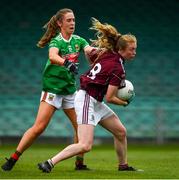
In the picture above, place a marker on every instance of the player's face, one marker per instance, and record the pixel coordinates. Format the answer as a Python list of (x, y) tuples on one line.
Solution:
[(130, 51), (67, 25)]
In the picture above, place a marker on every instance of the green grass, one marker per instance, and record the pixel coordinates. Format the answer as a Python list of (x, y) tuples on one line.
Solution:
[(158, 162)]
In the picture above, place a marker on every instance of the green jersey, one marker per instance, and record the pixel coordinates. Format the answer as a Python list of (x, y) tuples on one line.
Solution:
[(58, 79)]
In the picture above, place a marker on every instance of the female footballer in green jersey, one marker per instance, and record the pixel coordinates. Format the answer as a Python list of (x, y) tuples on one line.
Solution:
[(59, 84)]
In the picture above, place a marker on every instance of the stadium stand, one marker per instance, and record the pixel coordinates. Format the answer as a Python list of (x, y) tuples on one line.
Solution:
[(154, 73)]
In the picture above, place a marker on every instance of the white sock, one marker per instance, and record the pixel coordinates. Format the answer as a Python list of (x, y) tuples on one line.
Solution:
[(50, 162)]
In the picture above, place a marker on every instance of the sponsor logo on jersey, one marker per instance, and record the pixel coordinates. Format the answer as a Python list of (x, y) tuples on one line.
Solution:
[(72, 57)]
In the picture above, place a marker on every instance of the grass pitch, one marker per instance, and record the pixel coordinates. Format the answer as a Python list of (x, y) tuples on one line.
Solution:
[(158, 162)]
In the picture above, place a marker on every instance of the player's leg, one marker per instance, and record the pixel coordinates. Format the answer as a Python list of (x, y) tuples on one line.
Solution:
[(79, 163), (68, 106), (85, 134), (114, 125), (44, 115)]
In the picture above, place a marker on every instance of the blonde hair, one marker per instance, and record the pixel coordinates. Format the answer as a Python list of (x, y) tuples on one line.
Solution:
[(52, 27), (107, 35), (109, 38)]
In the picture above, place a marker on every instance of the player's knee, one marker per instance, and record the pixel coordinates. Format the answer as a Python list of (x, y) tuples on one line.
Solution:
[(121, 133), (86, 147), (37, 130)]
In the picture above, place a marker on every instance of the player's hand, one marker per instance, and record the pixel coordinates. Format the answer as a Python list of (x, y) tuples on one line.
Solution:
[(72, 67)]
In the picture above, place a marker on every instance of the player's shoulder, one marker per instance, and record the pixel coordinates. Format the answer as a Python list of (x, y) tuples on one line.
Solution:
[(113, 60), (58, 37), (76, 36), (110, 56)]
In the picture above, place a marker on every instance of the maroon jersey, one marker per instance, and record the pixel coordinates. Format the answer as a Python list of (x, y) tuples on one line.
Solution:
[(107, 70)]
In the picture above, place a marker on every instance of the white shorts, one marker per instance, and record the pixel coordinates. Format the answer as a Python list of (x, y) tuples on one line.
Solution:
[(89, 110), (58, 101)]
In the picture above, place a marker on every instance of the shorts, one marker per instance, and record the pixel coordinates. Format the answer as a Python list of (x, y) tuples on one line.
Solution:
[(89, 110), (58, 101)]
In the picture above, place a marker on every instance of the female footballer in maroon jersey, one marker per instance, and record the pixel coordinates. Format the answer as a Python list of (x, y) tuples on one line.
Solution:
[(104, 78)]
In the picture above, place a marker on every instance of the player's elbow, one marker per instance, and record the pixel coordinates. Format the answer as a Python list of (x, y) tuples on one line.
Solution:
[(51, 58), (109, 99)]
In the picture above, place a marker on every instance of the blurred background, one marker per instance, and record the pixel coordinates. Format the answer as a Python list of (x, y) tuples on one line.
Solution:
[(154, 113)]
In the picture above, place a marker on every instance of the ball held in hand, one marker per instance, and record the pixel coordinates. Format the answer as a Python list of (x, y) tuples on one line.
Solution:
[(127, 92)]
